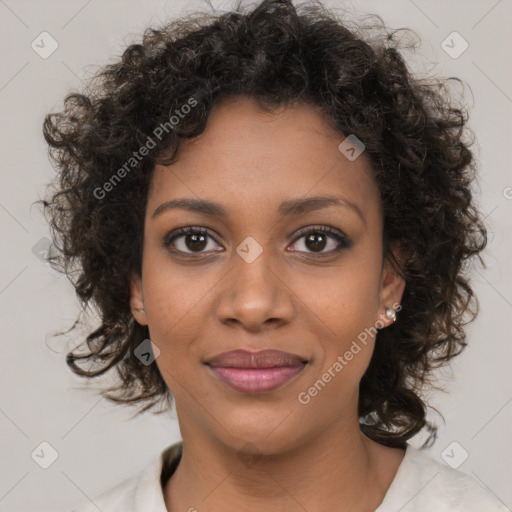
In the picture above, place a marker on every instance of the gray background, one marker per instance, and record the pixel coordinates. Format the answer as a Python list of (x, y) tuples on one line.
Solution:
[(98, 444)]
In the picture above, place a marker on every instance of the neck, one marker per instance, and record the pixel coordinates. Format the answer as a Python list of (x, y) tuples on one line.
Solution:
[(339, 470)]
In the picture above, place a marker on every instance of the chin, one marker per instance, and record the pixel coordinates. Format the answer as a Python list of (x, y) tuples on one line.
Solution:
[(271, 435)]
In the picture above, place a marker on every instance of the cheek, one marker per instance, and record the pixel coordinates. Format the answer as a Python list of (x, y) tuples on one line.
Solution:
[(346, 308), (347, 298), (175, 321), (342, 356), (177, 300)]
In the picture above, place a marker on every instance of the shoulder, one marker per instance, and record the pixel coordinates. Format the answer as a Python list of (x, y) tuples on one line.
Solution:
[(139, 493), (117, 498), (423, 484)]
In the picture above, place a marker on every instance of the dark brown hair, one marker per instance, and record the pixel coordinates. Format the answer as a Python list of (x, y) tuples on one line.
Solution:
[(414, 135)]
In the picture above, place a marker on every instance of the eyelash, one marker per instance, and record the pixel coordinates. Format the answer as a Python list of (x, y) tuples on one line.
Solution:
[(343, 241)]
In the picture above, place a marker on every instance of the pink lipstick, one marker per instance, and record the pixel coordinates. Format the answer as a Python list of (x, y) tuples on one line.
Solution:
[(256, 372)]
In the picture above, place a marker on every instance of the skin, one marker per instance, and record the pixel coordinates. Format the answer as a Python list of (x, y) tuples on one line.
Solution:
[(249, 452)]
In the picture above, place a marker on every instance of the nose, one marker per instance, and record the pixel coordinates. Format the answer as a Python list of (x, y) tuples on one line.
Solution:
[(254, 295)]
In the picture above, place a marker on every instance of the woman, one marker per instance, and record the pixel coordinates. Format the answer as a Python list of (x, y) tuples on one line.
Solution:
[(273, 217)]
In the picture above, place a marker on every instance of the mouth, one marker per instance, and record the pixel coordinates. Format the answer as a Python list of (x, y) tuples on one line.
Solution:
[(256, 372)]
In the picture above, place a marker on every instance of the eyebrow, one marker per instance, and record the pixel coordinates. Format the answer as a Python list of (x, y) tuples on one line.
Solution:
[(285, 209)]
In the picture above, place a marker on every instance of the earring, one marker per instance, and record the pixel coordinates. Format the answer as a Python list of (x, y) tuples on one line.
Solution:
[(141, 309), (390, 313)]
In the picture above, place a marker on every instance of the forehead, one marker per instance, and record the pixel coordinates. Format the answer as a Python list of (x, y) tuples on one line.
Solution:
[(248, 158)]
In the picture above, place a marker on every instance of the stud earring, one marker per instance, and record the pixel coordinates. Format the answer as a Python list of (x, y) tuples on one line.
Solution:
[(390, 313)]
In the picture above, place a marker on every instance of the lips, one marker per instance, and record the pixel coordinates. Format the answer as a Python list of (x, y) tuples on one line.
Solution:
[(256, 372), (261, 359)]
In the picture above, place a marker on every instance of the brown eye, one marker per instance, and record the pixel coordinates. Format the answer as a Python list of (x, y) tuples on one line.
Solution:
[(196, 242), (189, 240), (317, 239)]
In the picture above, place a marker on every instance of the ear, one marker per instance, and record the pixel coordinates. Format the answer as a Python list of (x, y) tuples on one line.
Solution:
[(392, 287), (137, 300)]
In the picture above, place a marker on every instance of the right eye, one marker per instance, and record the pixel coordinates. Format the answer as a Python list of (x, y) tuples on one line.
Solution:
[(189, 240)]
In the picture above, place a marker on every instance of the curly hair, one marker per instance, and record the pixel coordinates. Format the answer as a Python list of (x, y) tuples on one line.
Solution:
[(414, 134)]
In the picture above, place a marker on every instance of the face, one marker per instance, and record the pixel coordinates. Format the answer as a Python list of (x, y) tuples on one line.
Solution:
[(266, 268)]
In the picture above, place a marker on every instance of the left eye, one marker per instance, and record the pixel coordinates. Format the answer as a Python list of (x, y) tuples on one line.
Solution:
[(192, 240), (316, 239)]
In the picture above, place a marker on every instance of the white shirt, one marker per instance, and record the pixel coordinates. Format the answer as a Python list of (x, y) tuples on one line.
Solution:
[(421, 485)]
